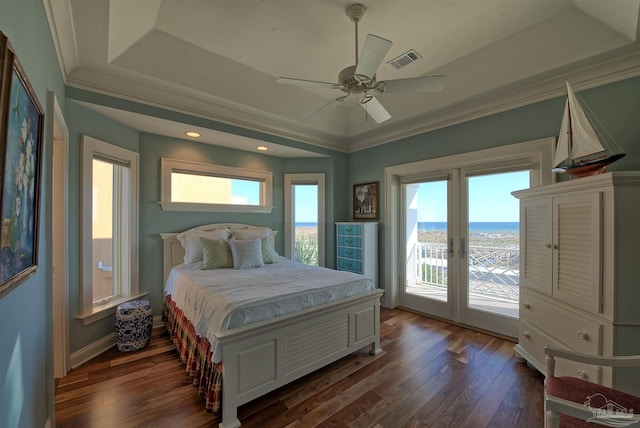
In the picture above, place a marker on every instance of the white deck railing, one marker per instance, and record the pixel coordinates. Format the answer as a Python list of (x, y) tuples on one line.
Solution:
[(493, 272)]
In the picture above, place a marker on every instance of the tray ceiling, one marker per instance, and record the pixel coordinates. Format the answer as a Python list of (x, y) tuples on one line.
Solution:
[(220, 59)]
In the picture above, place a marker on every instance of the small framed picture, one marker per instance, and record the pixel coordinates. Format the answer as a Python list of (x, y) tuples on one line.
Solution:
[(365, 201)]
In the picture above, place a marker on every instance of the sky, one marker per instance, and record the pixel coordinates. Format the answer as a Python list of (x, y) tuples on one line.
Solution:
[(490, 199)]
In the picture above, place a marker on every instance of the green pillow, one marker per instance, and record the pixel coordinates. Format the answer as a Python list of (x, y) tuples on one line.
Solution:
[(269, 254), (216, 254)]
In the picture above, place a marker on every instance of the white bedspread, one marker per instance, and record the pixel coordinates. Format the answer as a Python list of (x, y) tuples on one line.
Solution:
[(221, 299)]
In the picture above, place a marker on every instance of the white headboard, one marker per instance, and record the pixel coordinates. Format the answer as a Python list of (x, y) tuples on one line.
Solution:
[(173, 252)]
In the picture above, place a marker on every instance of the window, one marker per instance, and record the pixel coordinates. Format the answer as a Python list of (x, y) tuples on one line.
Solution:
[(304, 218), (193, 186), (109, 228)]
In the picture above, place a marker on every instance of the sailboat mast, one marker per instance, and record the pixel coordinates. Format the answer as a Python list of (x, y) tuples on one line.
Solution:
[(570, 134)]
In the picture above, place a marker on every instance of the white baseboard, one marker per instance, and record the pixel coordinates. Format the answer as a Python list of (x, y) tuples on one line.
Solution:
[(93, 350), (98, 347)]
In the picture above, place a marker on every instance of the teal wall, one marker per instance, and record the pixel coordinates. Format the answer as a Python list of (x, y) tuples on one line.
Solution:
[(26, 365), (153, 220), (616, 105), (26, 396), (83, 121)]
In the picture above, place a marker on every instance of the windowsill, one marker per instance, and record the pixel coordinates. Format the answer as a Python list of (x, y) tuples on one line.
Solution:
[(105, 310), (223, 208)]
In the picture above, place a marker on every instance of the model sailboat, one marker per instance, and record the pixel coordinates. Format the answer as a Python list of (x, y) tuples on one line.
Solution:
[(579, 147)]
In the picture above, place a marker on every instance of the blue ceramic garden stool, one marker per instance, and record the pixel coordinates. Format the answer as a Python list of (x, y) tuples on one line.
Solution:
[(134, 322)]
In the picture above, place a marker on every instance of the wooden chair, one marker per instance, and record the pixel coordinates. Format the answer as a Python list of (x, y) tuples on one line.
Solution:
[(571, 402)]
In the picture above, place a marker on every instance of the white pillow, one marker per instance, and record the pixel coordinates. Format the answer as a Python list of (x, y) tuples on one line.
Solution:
[(246, 254), (251, 233), (190, 241)]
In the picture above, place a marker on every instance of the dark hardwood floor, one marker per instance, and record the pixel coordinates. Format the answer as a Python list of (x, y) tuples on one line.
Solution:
[(430, 374)]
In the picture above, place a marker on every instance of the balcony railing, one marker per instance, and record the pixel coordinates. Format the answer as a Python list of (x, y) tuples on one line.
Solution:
[(493, 272)]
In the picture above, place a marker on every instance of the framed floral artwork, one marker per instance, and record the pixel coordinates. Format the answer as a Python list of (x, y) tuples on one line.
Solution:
[(21, 123), (365, 201)]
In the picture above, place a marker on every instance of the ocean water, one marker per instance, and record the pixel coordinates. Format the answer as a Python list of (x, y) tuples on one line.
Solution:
[(306, 224), (477, 226)]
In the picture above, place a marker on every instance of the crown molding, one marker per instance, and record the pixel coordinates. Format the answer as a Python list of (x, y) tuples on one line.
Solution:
[(177, 99), (170, 97), (62, 29), (604, 73)]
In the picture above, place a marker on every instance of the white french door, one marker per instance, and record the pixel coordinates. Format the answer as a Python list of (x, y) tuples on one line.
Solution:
[(461, 245)]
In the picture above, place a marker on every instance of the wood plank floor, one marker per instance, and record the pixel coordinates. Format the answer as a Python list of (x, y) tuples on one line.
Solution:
[(430, 374)]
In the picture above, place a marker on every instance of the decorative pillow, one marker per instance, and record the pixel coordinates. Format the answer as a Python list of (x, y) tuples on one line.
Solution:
[(190, 241), (269, 254), (216, 254), (251, 233), (246, 254)]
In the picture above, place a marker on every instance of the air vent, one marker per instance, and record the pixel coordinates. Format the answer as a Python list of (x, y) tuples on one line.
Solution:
[(404, 59)]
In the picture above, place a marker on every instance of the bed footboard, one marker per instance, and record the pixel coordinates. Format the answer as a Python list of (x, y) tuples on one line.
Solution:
[(264, 356)]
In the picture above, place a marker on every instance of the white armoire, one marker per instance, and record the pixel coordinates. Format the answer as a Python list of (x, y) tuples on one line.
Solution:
[(580, 273)]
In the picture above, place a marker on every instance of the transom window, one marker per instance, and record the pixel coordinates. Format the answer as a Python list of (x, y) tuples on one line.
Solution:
[(193, 186)]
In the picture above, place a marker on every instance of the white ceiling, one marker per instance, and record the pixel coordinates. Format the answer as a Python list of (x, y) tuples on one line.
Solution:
[(220, 59)]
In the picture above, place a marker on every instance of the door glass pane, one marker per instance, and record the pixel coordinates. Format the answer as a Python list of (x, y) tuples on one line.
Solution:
[(426, 239), (493, 252), (305, 219)]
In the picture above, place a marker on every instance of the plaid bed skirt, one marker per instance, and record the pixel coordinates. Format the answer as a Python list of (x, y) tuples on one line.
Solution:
[(195, 352)]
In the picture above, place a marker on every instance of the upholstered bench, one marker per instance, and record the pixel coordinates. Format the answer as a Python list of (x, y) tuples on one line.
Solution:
[(134, 322)]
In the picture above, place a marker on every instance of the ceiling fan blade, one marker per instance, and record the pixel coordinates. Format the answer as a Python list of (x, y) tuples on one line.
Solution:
[(416, 84), (375, 109), (373, 53), (326, 107), (302, 82)]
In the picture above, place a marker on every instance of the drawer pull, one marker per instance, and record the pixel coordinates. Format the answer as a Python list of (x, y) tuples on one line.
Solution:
[(548, 245), (526, 305), (349, 241), (349, 253), (348, 229), (583, 336), (526, 334), (582, 374), (348, 264)]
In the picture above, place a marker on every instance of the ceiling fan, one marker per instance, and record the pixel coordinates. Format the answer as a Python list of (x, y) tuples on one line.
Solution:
[(360, 79)]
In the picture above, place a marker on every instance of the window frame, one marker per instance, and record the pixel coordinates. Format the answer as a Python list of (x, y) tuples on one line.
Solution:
[(290, 180), (96, 149), (536, 154), (168, 166)]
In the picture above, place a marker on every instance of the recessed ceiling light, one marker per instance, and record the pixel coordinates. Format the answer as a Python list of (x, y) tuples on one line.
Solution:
[(262, 148), (192, 134)]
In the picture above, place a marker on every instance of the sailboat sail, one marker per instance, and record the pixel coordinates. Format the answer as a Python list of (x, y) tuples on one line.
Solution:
[(580, 140), (577, 141), (563, 152)]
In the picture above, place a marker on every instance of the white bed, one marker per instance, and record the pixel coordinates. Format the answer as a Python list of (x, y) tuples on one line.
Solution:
[(260, 353)]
